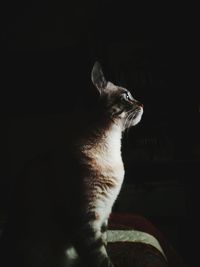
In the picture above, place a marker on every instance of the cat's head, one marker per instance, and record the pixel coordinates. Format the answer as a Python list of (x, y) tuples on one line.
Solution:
[(116, 101)]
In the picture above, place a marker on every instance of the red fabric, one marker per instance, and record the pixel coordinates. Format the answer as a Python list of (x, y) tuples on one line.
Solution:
[(125, 254)]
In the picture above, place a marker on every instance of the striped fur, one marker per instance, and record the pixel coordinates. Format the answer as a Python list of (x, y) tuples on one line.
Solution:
[(65, 197)]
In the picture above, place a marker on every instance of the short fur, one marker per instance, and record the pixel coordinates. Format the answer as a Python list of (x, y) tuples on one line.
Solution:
[(65, 197)]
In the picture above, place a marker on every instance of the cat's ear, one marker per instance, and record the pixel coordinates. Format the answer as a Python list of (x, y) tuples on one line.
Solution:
[(97, 77)]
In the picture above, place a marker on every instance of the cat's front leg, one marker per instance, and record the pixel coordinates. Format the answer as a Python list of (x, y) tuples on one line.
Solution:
[(89, 243), (104, 229)]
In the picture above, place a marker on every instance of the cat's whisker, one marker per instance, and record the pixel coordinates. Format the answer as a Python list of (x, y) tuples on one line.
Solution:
[(126, 120), (130, 113), (129, 121)]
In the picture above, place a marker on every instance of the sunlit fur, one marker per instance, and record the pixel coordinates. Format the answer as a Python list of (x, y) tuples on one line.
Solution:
[(64, 198), (124, 113)]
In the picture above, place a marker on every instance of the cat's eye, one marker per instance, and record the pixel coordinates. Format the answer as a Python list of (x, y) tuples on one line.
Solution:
[(127, 96)]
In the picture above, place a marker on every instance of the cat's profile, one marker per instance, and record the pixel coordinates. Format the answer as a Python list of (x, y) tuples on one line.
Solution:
[(65, 197)]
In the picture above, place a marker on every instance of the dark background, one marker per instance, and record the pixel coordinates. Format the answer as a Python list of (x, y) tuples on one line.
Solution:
[(48, 50)]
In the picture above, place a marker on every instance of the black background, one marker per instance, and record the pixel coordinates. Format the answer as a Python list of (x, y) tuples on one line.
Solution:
[(48, 50)]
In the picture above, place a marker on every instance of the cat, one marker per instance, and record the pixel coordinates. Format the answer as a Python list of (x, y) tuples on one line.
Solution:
[(65, 197)]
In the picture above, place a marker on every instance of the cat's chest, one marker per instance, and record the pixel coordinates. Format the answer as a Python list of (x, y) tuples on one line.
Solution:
[(110, 164), (106, 155)]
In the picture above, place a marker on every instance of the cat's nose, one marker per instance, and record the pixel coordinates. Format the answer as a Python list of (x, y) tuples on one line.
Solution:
[(139, 104)]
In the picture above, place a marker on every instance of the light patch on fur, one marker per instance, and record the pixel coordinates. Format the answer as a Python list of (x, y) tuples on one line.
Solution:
[(106, 158), (71, 257), (107, 153), (111, 87)]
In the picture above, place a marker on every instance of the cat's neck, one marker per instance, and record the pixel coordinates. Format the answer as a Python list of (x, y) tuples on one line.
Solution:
[(103, 137), (96, 129), (112, 140)]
